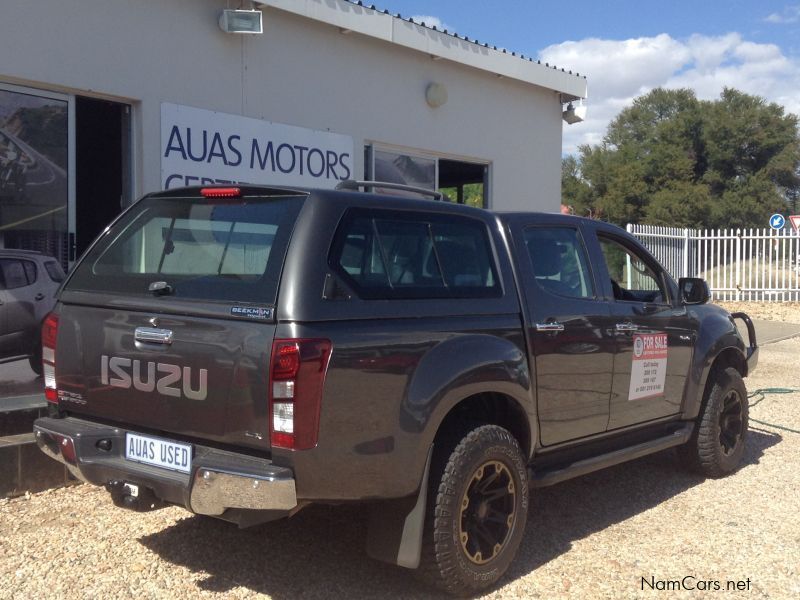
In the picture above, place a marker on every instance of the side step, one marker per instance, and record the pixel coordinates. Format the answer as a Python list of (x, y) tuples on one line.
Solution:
[(558, 473)]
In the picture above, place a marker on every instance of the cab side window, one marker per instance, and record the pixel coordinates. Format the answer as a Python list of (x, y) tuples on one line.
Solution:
[(386, 255), (559, 261), (632, 279)]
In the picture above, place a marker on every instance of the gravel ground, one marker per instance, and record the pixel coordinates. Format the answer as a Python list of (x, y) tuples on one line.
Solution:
[(597, 536), (786, 312)]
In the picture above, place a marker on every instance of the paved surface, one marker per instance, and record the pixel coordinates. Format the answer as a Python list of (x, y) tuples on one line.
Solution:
[(768, 332)]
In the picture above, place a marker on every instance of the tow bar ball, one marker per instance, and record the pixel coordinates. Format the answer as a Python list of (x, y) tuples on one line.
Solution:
[(133, 496)]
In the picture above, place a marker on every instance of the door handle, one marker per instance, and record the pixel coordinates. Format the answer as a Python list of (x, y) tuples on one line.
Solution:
[(554, 326), (39, 296), (627, 326), (152, 335)]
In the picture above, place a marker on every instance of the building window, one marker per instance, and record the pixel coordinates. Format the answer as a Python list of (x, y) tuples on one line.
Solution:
[(463, 182)]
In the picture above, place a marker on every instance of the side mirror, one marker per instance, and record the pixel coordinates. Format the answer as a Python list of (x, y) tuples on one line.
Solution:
[(693, 290)]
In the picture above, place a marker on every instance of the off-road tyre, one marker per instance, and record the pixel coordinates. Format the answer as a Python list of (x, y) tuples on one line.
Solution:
[(717, 444), (477, 510)]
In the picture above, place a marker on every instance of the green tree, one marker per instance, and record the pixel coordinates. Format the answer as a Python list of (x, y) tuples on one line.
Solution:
[(671, 159)]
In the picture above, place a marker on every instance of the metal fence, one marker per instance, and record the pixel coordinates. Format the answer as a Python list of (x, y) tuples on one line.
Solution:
[(742, 264)]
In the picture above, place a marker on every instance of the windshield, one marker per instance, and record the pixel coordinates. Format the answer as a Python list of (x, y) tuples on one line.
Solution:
[(200, 250)]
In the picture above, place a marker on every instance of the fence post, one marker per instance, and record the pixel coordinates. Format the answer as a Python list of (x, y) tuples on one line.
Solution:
[(685, 253), (738, 265)]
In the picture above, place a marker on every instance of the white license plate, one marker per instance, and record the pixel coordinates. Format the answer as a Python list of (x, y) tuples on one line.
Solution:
[(159, 453)]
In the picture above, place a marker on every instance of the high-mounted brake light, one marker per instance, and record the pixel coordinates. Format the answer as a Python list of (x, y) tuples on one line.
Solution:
[(224, 192), (296, 379), (49, 337)]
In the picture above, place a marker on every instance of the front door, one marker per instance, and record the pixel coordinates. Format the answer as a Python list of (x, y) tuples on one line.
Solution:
[(654, 336), (568, 324)]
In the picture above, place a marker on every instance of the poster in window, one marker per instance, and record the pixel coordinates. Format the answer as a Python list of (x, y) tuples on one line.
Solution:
[(405, 169)]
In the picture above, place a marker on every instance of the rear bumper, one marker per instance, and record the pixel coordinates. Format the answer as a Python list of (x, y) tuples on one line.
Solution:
[(218, 481)]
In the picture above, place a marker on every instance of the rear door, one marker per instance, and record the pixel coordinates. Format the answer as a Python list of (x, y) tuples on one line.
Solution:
[(167, 323), (572, 351)]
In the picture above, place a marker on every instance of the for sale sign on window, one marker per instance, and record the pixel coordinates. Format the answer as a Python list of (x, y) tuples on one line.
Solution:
[(649, 368)]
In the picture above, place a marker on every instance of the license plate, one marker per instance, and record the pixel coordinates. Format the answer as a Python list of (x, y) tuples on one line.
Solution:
[(159, 453)]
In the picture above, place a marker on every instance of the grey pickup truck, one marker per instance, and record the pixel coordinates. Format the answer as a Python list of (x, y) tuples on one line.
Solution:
[(244, 352)]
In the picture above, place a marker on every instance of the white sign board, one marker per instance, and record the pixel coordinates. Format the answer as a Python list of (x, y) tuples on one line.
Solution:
[(649, 367), (203, 147)]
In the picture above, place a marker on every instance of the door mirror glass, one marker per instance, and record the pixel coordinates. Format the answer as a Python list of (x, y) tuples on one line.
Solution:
[(694, 290)]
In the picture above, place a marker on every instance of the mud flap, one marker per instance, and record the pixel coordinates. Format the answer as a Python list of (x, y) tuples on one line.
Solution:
[(395, 526)]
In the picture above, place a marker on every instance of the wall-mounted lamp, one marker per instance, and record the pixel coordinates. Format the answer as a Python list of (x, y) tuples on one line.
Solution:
[(241, 21), (573, 114), (435, 95)]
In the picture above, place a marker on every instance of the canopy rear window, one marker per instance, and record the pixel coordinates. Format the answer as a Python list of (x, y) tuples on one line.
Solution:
[(203, 250)]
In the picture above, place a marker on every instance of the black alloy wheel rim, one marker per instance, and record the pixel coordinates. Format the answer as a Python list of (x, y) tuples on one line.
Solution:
[(488, 512), (731, 425)]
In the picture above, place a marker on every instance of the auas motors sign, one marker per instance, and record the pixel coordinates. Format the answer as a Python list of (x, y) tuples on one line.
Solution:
[(202, 147)]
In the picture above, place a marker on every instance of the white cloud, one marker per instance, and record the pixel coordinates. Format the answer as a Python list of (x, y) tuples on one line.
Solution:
[(431, 21), (620, 70), (790, 14)]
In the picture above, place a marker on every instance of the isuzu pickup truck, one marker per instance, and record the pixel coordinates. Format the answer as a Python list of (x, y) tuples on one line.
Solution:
[(244, 352)]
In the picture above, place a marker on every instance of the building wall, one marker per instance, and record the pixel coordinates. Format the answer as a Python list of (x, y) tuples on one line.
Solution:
[(299, 72)]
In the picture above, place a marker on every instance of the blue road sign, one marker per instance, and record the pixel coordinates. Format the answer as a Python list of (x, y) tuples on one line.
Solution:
[(777, 221)]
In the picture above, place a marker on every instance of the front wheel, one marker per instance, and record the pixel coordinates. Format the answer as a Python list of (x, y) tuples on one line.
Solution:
[(477, 511), (717, 445)]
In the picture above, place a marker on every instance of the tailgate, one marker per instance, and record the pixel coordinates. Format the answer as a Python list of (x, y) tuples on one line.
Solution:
[(167, 321), (210, 382)]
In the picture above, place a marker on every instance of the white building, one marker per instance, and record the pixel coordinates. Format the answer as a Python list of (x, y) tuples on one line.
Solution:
[(102, 101)]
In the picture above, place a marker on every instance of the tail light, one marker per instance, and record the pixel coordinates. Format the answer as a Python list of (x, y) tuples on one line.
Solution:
[(49, 336), (296, 379)]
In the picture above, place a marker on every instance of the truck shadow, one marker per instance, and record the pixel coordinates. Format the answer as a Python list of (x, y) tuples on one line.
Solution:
[(320, 551), (577, 508)]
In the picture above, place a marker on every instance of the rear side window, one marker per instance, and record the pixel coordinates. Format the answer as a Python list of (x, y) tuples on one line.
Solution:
[(203, 250), (383, 254), (55, 271)]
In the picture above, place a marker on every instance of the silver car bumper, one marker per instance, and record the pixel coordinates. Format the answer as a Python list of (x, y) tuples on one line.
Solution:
[(219, 480)]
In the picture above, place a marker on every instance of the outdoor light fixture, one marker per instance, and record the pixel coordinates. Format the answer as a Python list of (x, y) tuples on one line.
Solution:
[(435, 95), (241, 21), (574, 115)]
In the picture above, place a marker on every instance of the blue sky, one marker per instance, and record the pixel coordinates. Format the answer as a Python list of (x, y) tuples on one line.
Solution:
[(626, 48)]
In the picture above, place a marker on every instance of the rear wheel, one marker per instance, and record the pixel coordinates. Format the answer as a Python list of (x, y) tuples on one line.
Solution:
[(717, 445), (35, 360), (477, 511)]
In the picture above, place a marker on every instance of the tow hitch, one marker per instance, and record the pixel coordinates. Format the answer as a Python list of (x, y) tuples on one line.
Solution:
[(133, 496)]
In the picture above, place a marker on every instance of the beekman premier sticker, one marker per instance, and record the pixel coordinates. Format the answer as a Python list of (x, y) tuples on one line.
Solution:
[(649, 367)]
